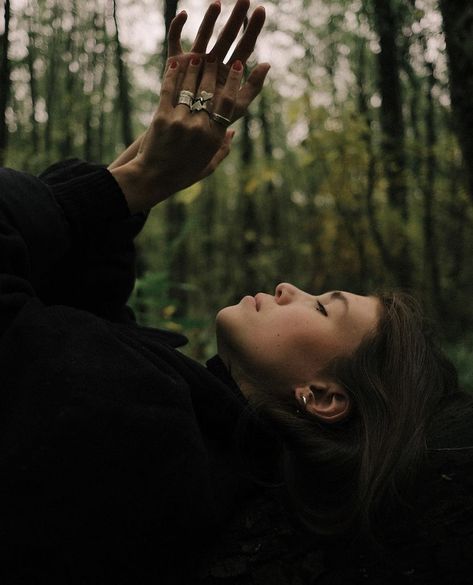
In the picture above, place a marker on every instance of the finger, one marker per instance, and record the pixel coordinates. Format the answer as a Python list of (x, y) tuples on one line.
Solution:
[(168, 87), (247, 42), (174, 34), (208, 81), (206, 28), (230, 30), (251, 89), (227, 98), (191, 77), (225, 149)]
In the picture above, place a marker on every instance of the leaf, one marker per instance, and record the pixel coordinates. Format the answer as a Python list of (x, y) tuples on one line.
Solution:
[(189, 195)]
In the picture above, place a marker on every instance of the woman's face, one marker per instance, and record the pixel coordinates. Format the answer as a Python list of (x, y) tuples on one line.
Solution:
[(286, 339)]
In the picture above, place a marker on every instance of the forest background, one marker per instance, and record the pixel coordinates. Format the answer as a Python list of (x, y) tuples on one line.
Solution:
[(353, 170)]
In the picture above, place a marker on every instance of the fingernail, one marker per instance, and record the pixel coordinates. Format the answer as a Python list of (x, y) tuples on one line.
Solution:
[(218, 3), (237, 65), (210, 58), (195, 60), (172, 64)]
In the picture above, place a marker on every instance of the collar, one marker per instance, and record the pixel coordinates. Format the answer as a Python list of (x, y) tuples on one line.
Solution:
[(216, 366)]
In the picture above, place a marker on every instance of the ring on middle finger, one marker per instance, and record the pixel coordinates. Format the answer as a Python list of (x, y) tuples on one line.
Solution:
[(187, 98), (202, 102)]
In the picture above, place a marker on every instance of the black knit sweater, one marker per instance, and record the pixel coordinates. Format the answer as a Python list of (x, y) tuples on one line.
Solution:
[(116, 450)]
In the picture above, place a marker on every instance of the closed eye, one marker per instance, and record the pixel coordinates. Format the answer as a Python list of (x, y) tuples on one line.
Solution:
[(321, 308)]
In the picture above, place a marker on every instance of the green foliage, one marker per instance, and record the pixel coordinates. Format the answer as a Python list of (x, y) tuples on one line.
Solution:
[(461, 353), (154, 306)]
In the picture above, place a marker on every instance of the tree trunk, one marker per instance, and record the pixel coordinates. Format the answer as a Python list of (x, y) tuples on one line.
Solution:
[(392, 125), (363, 108), (392, 121), (271, 195), (251, 246), (458, 27), (4, 83), (123, 85), (430, 245), (31, 55), (103, 86), (90, 143), (170, 11), (51, 81), (66, 143)]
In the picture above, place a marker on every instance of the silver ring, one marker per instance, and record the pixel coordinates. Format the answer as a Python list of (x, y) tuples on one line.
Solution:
[(304, 400), (201, 102), (198, 106), (186, 98), (221, 119)]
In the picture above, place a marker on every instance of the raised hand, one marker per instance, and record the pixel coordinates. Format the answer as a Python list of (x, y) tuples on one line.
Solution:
[(250, 89), (182, 146)]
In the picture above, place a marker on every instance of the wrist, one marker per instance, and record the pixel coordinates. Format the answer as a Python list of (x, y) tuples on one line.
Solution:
[(138, 186)]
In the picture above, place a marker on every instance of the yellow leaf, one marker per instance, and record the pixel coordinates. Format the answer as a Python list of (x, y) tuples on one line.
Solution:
[(169, 311), (172, 326), (189, 195), (252, 185)]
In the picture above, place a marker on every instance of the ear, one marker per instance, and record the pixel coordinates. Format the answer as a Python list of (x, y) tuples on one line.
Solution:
[(328, 401)]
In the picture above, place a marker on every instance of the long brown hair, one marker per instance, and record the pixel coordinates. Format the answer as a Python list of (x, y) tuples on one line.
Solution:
[(343, 478)]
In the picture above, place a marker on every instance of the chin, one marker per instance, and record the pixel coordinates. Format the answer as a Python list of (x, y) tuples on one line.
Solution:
[(226, 315), (227, 326)]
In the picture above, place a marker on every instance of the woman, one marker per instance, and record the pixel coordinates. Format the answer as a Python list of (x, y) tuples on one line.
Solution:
[(121, 457), (366, 407)]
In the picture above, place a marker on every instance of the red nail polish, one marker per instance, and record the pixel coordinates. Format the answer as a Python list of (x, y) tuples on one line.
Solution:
[(172, 64), (195, 60), (237, 65)]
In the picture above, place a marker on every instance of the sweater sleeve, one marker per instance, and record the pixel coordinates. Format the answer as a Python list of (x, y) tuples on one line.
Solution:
[(93, 265), (99, 273)]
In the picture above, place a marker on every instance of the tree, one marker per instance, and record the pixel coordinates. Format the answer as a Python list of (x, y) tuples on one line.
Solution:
[(123, 85), (392, 124), (458, 26), (4, 81), (31, 56)]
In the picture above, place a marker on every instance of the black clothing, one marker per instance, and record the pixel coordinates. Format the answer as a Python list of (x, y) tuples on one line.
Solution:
[(115, 449)]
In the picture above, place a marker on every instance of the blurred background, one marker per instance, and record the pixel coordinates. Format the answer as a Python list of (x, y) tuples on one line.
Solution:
[(353, 170)]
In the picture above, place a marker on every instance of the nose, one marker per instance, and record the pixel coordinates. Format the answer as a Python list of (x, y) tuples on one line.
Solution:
[(285, 293)]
